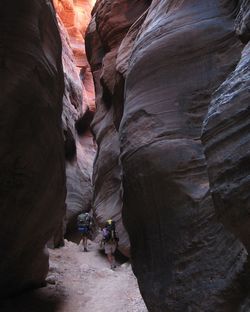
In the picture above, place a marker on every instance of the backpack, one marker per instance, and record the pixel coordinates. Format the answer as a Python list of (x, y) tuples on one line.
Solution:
[(84, 220), (109, 233)]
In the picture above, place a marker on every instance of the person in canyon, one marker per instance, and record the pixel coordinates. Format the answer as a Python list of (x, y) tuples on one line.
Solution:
[(110, 241), (84, 223)]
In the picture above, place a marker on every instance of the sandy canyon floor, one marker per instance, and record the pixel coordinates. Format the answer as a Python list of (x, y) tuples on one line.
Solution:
[(81, 282)]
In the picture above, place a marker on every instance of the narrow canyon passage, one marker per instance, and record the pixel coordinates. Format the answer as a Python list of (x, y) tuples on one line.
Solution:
[(81, 282), (76, 281), (136, 113)]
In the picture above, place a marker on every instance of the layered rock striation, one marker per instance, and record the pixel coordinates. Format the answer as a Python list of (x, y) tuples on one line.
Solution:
[(32, 169), (227, 141), (79, 147), (75, 16), (156, 66), (110, 23)]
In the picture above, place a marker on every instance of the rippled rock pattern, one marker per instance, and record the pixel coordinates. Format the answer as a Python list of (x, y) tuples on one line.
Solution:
[(80, 150), (32, 173), (227, 144), (75, 16), (110, 23), (170, 61)]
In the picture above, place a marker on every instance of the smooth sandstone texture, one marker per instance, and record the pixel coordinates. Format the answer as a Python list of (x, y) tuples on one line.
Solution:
[(80, 150), (178, 53), (75, 16), (32, 172), (181, 256), (227, 143), (110, 23)]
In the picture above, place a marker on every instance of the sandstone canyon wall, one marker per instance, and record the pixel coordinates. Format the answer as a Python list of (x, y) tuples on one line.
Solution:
[(156, 67), (110, 23), (32, 170), (227, 141), (73, 18)]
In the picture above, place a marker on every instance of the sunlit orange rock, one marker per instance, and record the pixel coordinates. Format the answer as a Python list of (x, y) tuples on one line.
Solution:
[(72, 19), (75, 16)]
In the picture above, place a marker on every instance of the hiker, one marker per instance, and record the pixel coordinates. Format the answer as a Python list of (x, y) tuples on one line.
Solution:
[(110, 241), (84, 223)]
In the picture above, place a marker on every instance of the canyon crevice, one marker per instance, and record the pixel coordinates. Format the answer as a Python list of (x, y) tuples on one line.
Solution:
[(78, 109), (167, 108)]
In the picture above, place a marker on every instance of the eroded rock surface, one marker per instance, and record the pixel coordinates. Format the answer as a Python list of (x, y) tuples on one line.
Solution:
[(75, 16), (109, 25), (167, 63), (32, 173), (79, 148), (166, 188), (227, 142)]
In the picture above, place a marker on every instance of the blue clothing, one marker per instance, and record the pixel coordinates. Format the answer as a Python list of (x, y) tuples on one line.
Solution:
[(83, 229)]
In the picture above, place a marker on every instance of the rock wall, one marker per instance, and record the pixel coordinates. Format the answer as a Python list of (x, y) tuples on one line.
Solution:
[(156, 66), (75, 16), (110, 23), (80, 150), (227, 141), (32, 171)]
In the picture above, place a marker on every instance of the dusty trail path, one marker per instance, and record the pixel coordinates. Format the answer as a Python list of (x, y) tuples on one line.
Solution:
[(81, 282)]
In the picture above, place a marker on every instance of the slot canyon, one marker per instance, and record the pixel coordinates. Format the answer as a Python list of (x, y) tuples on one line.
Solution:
[(136, 111)]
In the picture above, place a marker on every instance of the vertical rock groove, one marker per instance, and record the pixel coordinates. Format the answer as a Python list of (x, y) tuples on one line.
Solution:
[(73, 18)]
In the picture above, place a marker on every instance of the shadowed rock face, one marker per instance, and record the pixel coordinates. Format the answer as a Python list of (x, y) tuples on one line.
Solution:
[(242, 22), (189, 47), (227, 142), (32, 173), (110, 23), (171, 62), (75, 107)]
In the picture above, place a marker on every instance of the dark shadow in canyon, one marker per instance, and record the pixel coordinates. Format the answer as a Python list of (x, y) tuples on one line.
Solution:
[(33, 301)]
